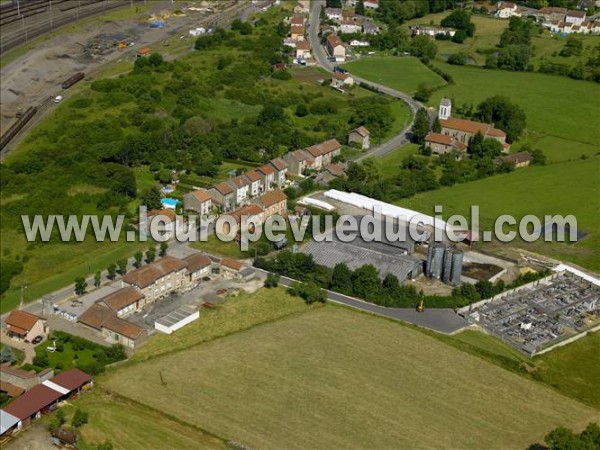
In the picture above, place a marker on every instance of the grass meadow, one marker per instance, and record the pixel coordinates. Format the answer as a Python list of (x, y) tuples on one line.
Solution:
[(367, 382), (404, 74)]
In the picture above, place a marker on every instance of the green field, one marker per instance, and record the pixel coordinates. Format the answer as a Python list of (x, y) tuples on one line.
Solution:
[(332, 378), (403, 74), (566, 188), (129, 426)]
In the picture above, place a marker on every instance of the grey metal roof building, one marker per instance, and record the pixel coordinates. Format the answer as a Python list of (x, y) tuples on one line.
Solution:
[(331, 253)]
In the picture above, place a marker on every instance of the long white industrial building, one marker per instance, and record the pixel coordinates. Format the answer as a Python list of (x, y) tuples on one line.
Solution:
[(387, 209)]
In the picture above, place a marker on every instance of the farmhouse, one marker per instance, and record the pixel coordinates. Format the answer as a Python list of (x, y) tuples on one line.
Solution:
[(281, 168), (298, 162), (267, 173), (341, 81), (124, 301), (443, 143), (551, 14), (103, 319), (360, 136), (198, 201), (158, 279), (575, 17), (297, 19), (255, 179), (22, 325), (336, 47), (198, 266), (241, 187), (297, 33), (274, 202), (230, 268)]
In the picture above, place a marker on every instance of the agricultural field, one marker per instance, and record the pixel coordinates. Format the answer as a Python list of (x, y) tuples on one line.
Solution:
[(256, 386), (565, 188), (401, 73)]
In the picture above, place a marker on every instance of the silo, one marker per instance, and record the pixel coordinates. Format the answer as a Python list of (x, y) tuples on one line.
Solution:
[(457, 262), (435, 260), (447, 271)]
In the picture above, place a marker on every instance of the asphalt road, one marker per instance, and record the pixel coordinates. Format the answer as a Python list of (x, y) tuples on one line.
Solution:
[(321, 57)]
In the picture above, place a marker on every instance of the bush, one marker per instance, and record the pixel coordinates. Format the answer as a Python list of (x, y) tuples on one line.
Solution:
[(282, 75), (458, 59), (301, 110)]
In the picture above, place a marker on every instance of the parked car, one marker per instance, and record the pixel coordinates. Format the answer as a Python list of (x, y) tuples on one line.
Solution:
[(37, 339), (57, 99)]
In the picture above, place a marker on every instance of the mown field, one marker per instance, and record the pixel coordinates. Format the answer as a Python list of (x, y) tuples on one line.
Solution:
[(332, 378), (404, 74)]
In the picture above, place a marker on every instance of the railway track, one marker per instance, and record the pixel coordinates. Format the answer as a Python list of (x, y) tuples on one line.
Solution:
[(42, 16)]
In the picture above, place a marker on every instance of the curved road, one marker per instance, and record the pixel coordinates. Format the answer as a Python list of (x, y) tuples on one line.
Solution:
[(401, 138)]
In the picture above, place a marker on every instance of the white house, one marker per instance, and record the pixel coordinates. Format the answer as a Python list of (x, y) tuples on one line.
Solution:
[(373, 4), (507, 10), (336, 47), (349, 26), (302, 50), (341, 81), (241, 187), (333, 13), (575, 17)]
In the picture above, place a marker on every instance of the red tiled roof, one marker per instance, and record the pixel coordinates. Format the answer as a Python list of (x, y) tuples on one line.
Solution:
[(279, 164), (324, 147), (239, 181), (95, 316), (202, 195), (169, 214), (231, 263), (469, 126), (439, 138), (297, 29), (147, 275), (21, 321), (122, 298), (224, 188), (123, 327), (72, 379), (517, 158), (272, 198), (334, 40), (297, 20), (362, 131), (302, 45), (249, 210), (578, 14), (253, 175), (341, 76), (300, 155), (12, 390), (196, 262), (32, 401), (266, 169)]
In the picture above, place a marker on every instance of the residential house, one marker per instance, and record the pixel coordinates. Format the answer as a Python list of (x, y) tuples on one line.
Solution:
[(323, 153), (297, 32), (369, 27), (336, 47), (331, 173), (24, 379), (22, 325), (341, 81), (165, 221), (223, 195), (443, 143), (431, 31), (297, 20), (231, 268), (103, 319), (552, 14), (302, 7), (158, 279), (274, 202), (255, 178), (198, 201), (372, 4), (302, 50), (575, 17), (267, 173), (520, 159), (289, 42), (506, 10), (360, 136), (241, 188), (357, 43), (298, 162), (247, 216), (124, 301), (281, 168), (349, 26), (333, 13), (198, 266)]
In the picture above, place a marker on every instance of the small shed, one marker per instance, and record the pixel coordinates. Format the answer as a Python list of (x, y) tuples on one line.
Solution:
[(144, 51)]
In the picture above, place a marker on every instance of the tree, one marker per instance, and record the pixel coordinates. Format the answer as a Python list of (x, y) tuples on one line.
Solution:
[(272, 280), (341, 279), (459, 37), (112, 271), (80, 285), (301, 110), (106, 445), (150, 198), (97, 279), (538, 158), (309, 291), (365, 282), (461, 20), (457, 59), (138, 257), (504, 114), (423, 48), (60, 417), (514, 57), (271, 112), (420, 127), (122, 264), (150, 254), (155, 59), (360, 8), (163, 249), (80, 418), (466, 291), (423, 93)]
